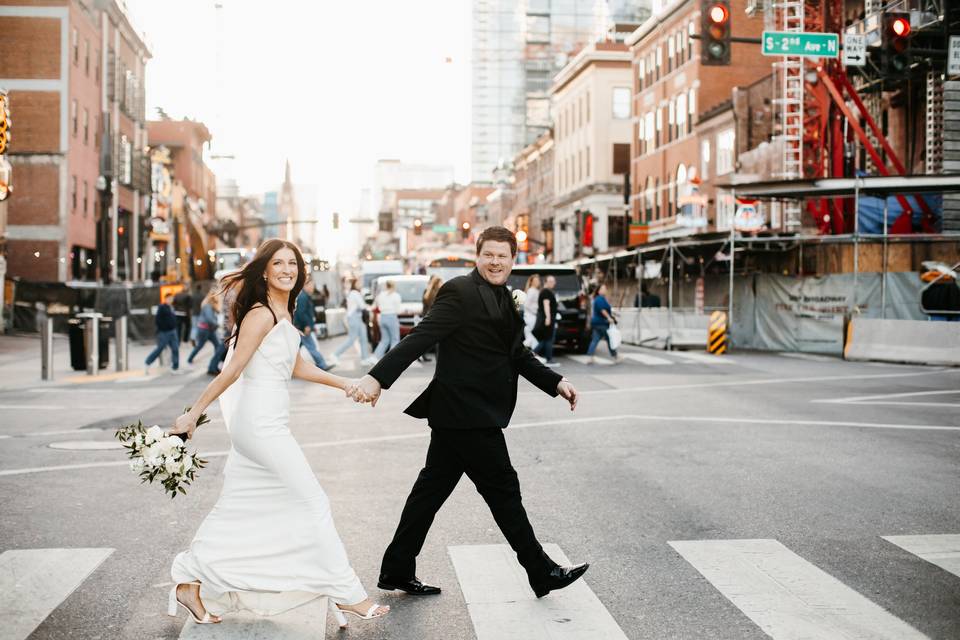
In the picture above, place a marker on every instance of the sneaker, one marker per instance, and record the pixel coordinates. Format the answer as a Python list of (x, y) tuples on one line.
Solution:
[(369, 361), (592, 360), (552, 363), (176, 372), (146, 369)]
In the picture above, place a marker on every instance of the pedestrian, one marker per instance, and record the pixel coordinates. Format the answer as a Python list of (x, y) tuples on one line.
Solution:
[(646, 299), (356, 329), (207, 325), (182, 303), (530, 305), (167, 336), (545, 329), (429, 296), (389, 302), (468, 403), (601, 321), (324, 296), (305, 319), (227, 303)]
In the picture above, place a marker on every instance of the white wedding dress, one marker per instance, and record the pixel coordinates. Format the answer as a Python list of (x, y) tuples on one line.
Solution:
[(269, 544)]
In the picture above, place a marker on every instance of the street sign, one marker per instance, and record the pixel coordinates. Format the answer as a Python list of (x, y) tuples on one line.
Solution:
[(810, 45), (854, 50), (953, 56)]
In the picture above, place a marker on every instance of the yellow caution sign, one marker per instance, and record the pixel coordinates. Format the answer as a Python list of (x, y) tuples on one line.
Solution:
[(717, 334)]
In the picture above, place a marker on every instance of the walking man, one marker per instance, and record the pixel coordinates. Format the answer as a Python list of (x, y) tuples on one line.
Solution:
[(304, 319), (547, 321), (167, 336), (467, 405)]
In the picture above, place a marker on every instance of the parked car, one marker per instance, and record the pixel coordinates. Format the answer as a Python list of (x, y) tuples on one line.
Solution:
[(411, 290), (573, 331)]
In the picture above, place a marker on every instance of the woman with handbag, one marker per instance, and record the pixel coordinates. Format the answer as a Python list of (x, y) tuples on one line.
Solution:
[(603, 323)]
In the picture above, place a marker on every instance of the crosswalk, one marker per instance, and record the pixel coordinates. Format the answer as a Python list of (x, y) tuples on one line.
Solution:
[(650, 358), (786, 596)]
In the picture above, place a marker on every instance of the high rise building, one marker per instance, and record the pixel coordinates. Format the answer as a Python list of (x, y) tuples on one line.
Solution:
[(518, 47)]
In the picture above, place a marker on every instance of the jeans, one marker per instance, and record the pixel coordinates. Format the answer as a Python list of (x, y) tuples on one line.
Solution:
[(307, 341), (356, 330), (545, 346), (600, 333), (389, 334), (204, 335), (166, 339)]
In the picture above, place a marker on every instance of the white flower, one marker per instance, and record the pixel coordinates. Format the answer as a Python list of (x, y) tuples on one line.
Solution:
[(172, 466), (519, 297), (136, 465), (152, 462), (153, 434), (138, 439), (187, 462), (170, 445)]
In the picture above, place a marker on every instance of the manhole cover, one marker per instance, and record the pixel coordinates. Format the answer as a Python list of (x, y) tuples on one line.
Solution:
[(86, 445)]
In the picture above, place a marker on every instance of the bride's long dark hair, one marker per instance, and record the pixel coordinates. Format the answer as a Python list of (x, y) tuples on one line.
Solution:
[(252, 288)]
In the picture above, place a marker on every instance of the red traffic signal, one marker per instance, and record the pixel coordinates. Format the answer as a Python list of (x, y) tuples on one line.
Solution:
[(715, 32), (895, 46), (718, 14), (900, 27)]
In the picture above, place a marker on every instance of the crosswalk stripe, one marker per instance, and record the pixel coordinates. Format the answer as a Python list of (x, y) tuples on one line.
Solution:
[(942, 550), (33, 582), (502, 605), (649, 360), (704, 358), (307, 622), (788, 597), (586, 359)]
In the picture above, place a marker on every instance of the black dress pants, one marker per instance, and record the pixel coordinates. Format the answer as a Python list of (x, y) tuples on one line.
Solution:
[(482, 455)]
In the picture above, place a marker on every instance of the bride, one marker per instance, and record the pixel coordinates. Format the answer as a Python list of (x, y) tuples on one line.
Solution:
[(269, 544)]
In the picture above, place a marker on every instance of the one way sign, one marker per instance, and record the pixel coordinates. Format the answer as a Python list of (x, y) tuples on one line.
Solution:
[(854, 50)]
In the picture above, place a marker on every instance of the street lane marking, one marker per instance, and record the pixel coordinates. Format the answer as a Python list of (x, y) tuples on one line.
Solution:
[(545, 423), (942, 550), (788, 597), (702, 358), (586, 360), (886, 399), (306, 622), (649, 360), (502, 605), (33, 582)]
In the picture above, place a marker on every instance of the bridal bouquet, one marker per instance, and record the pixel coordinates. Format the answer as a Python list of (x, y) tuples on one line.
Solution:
[(157, 456)]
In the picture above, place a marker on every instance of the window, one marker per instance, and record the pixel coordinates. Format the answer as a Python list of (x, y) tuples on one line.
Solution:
[(586, 161), (725, 142), (649, 131), (126, 160), (642, 72), (680, 56), (75, 46), (580, 165), (670, 51), (691, 109), (73, 117), (671, 118), (659, 54), (86, 192), (681, 185), (659, 127), (681, 115), (86, 56), (86, 125), (96, 66), (704, 159), (587, 105), (725, 210), (656, 199), (690, 34), (73, 193), (641, 137), (648, 200), (538, 29), (621, 103)]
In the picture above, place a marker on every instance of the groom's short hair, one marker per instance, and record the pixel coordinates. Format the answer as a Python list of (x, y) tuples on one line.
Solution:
[(498, 234)]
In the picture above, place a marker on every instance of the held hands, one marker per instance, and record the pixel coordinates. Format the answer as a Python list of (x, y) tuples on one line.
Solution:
[(366, 389), (568, 392)]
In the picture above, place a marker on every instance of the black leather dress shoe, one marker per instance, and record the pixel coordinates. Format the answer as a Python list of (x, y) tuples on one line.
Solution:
[(411, 585), (559, 578)]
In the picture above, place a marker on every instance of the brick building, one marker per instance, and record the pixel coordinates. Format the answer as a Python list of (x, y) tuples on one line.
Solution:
[(74, 70), (591, 102), (671, 91), (534, 186)]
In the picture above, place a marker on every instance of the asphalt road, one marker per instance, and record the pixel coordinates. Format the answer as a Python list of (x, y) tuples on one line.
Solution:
[(822, 456)]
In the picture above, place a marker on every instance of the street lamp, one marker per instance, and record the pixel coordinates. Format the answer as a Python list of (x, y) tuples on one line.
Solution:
[(104, 187)]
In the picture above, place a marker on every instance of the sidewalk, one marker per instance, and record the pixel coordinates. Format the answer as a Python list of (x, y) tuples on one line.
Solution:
[(20, 364)]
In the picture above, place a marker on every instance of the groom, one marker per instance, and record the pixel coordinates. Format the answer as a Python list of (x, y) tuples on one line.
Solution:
[(467, 405)]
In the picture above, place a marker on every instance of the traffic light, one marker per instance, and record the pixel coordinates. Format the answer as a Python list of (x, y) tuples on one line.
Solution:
[(714, 32), (417, 227), (895, 47), (5, 122), (465, 230)]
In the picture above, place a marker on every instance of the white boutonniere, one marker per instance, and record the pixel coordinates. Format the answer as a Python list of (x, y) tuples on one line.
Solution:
[(519, 297)]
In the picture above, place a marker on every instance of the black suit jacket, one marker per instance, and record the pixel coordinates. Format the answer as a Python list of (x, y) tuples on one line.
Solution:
[(480, 356)]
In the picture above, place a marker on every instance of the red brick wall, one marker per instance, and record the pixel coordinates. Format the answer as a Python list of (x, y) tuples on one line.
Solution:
[(36, 121), (22, 263), (35, 199), (30, 47)]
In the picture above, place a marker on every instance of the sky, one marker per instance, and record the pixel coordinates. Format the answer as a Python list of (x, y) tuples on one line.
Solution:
[(333, 86)]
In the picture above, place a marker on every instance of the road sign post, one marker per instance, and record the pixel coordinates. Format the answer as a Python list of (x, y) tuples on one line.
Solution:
[(809, 45), (854, 50)]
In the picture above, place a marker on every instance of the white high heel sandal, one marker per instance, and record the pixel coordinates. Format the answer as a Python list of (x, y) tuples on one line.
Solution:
[(342, 619), (174, 601)]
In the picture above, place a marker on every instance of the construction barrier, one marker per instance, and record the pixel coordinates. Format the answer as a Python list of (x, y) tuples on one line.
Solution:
[(717, 333), (661, 329), (907, 341)]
